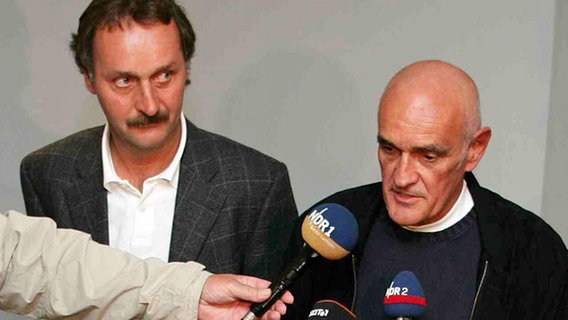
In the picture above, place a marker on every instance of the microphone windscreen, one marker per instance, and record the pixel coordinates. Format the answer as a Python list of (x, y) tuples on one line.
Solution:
[(331, 230), (405, 296), (330, 310)]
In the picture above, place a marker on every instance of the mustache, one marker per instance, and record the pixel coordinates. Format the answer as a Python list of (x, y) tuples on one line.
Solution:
[(142, 119)]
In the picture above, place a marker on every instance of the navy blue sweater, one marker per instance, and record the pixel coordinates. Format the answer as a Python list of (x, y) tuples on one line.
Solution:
[(445, 263)]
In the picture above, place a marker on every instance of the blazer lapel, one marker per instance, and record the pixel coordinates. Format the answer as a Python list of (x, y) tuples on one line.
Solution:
[(86, 196), (198, 203)]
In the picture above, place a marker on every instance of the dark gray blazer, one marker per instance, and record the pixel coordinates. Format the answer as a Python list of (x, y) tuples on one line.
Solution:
[(234, 207)]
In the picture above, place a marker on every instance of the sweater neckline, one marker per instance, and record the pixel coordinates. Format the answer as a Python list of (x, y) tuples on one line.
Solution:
[(453, 232)]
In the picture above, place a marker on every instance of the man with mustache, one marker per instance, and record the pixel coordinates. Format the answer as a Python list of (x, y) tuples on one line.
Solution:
[(150, 182), (477, 255)]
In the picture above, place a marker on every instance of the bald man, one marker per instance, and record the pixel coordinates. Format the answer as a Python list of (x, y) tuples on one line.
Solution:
[(477, 255)]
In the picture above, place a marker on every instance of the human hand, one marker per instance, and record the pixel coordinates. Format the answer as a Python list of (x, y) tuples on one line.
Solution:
[(229, 296)]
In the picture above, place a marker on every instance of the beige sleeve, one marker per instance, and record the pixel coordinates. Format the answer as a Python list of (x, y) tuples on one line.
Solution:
[(47, 272)]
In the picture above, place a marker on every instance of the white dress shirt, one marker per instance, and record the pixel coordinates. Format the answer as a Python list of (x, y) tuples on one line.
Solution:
[(141, 222)]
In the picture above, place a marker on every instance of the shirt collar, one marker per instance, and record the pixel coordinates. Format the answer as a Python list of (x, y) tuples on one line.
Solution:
[(459, 210), (170, 174)]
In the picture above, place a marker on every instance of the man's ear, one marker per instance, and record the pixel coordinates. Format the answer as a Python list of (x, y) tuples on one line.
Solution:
[(89, 82), (477, 148)]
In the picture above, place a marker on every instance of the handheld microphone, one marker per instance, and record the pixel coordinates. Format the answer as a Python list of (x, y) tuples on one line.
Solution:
[(331, 231), (330, 310), (405, 298)]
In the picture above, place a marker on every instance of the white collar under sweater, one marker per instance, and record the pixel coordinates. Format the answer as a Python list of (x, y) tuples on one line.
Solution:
[(460, 209)]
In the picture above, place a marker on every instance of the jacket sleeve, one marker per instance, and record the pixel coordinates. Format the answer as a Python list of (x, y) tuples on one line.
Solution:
[(47, 272)]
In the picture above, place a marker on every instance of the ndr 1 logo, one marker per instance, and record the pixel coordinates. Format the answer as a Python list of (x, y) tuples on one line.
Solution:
[(317, 218)]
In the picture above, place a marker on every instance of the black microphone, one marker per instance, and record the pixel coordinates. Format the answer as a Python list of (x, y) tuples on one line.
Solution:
[(331, 231), (330, 310), (405, 298)]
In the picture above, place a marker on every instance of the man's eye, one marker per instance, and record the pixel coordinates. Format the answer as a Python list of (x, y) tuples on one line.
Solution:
[(387, 149), (430, 157), (164, 76), (123, 82)]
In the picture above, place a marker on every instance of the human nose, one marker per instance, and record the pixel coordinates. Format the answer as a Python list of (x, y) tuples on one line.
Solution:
[(147, 100), (404, 173)]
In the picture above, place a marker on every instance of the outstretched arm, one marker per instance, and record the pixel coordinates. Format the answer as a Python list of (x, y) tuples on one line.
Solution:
[(47, 272)]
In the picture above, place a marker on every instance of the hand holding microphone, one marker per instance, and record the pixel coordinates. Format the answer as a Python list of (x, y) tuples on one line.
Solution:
[(405, 298), (331, 231)]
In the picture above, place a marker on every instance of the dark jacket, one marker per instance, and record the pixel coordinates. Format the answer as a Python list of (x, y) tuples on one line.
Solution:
[(523, 270), (234, 205)]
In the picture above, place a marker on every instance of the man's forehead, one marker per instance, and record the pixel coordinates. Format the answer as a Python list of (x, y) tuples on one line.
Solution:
[(430, 92), (419, 130), (138, 47), (423, 110)]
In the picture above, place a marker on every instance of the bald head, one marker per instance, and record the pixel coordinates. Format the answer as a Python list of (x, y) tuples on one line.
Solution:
[(429, 137), (449, 87)]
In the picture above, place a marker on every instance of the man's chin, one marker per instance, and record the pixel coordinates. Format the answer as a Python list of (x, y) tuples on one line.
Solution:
[(404, 218), (147, 143)]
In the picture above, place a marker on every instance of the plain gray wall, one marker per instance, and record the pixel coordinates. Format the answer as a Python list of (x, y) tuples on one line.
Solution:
[(555, 195), (300, 80)]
